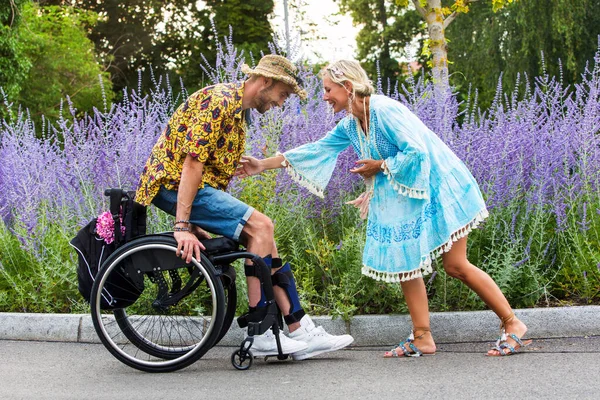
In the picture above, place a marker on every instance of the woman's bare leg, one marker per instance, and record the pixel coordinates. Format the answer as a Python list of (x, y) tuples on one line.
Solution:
[(418, 307), (456, 265)]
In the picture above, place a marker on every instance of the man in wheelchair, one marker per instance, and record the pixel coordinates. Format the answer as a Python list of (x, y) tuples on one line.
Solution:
[(186, 176)]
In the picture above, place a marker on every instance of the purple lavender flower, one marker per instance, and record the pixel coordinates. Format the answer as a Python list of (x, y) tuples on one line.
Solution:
[(534, 152)]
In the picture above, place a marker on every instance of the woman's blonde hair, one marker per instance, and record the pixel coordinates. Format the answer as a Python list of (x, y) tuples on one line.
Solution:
[(349, 71)]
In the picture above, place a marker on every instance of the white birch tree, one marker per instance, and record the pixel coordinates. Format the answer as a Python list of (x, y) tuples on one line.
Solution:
[(438, 18)]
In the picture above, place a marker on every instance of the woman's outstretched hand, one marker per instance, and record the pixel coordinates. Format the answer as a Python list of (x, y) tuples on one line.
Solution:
[(248, 166), (367, 168)]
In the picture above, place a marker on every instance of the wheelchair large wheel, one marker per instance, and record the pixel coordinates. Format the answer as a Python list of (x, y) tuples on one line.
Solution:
[(130, 331), (178, 315)]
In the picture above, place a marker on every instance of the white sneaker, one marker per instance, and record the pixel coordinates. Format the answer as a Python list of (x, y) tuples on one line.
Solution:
[(318, 340), (266, 345)]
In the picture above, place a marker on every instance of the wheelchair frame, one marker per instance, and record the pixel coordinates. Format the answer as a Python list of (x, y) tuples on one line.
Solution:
[(156, 333)]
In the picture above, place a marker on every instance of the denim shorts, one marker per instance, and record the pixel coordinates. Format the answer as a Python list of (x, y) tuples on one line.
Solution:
[(212, 210)]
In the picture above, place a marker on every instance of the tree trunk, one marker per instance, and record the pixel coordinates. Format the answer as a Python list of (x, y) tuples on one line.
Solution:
[(437, 41), (385, 44)]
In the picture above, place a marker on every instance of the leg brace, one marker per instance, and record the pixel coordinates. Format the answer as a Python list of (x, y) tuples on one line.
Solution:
[(284, 278)]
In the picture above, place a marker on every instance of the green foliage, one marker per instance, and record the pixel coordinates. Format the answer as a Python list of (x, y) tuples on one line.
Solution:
[(516, 40), (38, 280), (519, 255), (182, 45), (169, 36), (251, 33), (326, 256), (132, 35), (499, 4), (390, 27), (9, 12), (14, 65), (579, 253), (387, 30), (546, 268), (249, 20), (62, 61)]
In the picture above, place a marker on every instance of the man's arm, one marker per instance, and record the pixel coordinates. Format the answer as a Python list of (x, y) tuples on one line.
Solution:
[(188, 244)]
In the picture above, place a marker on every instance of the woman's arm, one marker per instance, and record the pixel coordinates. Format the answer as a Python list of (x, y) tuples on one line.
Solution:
[(310, 165), (409, 169), (253, 166)]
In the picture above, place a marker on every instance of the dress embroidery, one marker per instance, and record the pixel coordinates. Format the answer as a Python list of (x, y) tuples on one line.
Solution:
[(399, 233)]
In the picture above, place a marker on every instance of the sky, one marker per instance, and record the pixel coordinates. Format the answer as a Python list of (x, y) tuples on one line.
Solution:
[(340, 35)]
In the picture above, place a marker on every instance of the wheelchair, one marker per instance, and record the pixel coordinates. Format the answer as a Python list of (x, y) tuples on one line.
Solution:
[(180, 310)]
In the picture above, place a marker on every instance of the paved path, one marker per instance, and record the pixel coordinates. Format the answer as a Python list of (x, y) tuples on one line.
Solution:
[(551, 369)]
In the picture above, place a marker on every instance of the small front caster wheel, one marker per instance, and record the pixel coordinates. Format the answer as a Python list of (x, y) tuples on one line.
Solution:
[(242, 360)]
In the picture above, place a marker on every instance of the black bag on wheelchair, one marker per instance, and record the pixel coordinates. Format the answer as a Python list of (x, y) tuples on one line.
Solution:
[(122, 289)]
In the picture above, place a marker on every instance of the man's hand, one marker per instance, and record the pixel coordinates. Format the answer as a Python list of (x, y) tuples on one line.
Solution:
[(188, 245), (368, 168), (249, 166)]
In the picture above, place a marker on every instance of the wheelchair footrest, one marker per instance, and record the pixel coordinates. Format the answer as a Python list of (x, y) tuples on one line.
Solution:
[(259, 317)]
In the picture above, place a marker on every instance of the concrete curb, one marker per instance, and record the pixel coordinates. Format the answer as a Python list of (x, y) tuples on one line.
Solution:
[(368, 330)]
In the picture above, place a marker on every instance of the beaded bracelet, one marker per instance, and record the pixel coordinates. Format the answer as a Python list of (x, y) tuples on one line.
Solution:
[(180, 229), (183, 221)]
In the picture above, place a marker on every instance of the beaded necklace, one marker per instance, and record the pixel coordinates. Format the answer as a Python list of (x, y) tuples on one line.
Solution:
[(364, 142), (362, 202)]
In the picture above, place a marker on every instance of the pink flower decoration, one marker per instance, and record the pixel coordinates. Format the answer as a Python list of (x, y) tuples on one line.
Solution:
[(105, 227)]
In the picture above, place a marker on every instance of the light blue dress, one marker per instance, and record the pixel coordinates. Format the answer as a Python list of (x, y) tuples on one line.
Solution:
[(424, 200)]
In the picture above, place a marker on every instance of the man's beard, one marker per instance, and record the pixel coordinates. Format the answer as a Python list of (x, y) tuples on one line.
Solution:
[(263, 101)]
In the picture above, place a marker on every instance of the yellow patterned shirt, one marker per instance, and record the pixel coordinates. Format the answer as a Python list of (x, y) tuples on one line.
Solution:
[(211, 127)]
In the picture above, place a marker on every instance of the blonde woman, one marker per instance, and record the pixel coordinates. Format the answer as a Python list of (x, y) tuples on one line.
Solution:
[(420, 199)]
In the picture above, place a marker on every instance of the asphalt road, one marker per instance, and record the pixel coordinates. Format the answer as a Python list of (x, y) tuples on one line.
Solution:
[(550, 369)]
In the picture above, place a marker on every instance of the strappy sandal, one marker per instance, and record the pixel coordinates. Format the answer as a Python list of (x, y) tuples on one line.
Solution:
[(502, 346), (412, 350)]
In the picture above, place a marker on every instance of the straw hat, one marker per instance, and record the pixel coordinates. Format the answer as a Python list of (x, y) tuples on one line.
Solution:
[(278, 68)]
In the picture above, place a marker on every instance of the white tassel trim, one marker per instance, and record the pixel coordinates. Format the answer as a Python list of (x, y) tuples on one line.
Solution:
[(403, 189), (299, 179), (425, 265), (397, 277), (461, 233)]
